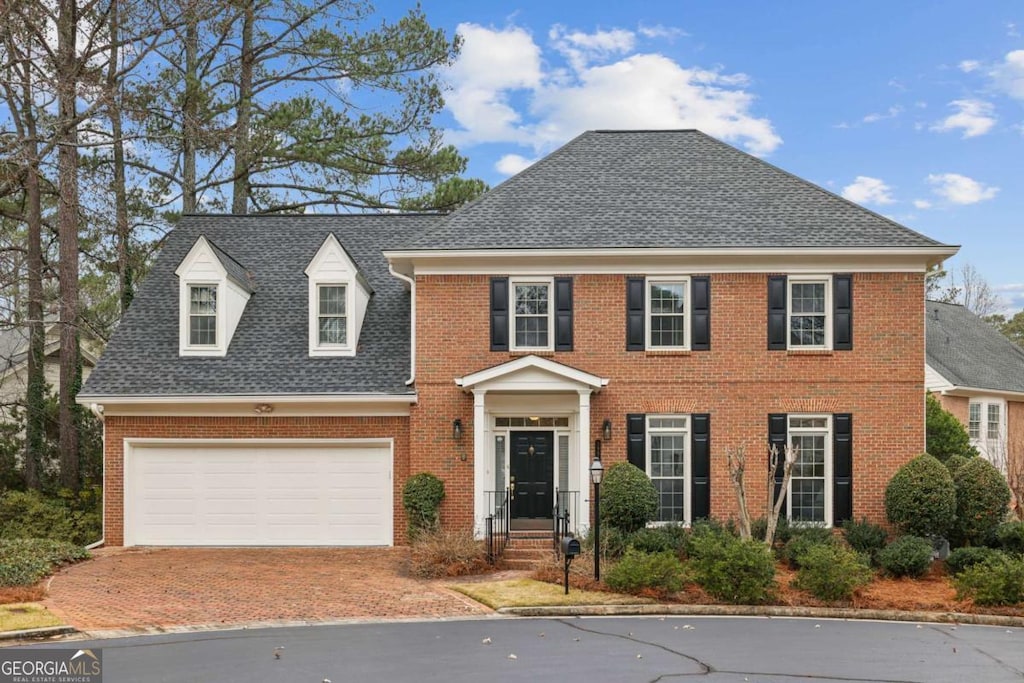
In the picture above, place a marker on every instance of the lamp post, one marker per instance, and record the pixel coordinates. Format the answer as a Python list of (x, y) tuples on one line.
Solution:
[(596, 474)]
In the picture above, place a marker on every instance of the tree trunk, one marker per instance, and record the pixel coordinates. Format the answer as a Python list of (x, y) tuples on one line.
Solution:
[(122, 230), (190, 109), (35, 394), (243, 142), (67, 233)]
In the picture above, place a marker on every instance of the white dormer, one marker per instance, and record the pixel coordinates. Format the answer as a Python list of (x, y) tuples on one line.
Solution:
[(338, 296), (213, 290)]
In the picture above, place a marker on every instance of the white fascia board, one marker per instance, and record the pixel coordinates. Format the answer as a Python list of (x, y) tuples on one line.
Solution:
[(656, 261), (511, 367), (958, 390)]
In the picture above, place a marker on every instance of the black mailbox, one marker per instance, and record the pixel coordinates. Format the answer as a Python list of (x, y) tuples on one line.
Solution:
[(570, 547)]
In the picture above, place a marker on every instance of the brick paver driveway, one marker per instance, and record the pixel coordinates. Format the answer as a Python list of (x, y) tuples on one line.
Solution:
[(162, 587)]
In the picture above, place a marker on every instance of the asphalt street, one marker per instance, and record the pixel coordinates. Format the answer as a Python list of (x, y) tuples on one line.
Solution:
[(620, 649)]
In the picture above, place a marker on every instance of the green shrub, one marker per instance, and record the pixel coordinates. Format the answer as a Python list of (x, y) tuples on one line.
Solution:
[(614, 543), (962, 558), (982, 498), (628, 497), (802, 541), (422, 498), (670, 537), (830, 571), (71, 518), (783, 531), (999, 580), (945, 435), (955, 462), (906, 556), (703, 528), (920, 498), (660, 572), (24, 561), (864, 537), (1009, 536), (733, 570)]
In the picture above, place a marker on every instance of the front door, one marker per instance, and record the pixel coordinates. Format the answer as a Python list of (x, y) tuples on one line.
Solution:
[(532, 474)]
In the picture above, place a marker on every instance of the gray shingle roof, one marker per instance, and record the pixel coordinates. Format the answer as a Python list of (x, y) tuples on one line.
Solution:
[(269, 353), (968, 352), (682, 189), (236, 271)]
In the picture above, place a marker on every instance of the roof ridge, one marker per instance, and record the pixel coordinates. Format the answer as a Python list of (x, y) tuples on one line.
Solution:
[(385, 214)]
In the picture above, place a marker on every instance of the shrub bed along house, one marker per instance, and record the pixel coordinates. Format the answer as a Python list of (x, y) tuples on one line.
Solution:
[(803, 540), (962, 558), (731, 569), (920, 499), (906, 556), (25, 561), (864, 537), (830, 571), (999, 580), (637, 571)]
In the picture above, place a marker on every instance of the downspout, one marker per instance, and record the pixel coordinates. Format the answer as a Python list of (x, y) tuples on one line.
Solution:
[(97, 410), (412, 316)]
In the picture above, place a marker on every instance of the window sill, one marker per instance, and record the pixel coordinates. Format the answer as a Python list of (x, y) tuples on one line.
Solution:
[(809, 352), (668, 352), (519, 353)]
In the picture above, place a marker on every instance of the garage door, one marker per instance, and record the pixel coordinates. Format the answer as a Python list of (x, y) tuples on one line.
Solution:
[(202, 493)]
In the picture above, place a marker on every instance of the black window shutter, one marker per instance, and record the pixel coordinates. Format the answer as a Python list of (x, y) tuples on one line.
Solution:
[(777, 436), (700, 466), (777, 313), (563, 314), (636, 441), (499, 314), (700, 303), (842, 468), (842, 312), (635, 314)]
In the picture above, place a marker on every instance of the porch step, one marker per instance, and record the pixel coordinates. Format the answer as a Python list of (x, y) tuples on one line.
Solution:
[(525, 550)]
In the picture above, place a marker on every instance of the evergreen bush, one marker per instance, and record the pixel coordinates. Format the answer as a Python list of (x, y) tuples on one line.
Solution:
[(920, 499), (628, 498), (906, 556)]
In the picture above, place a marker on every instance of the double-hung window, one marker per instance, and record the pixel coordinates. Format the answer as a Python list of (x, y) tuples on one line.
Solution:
[(809, 492), (532, 309), (974, 421), (809, 304), (666, 313), (332, 315), (202, 315), (987, 430), (668, 464)]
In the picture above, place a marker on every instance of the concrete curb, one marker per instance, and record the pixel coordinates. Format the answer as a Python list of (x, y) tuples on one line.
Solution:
[(36, 633), (764, 611)]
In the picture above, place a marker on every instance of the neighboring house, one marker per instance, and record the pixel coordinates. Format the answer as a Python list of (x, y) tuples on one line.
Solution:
[(978, 375), (14, 363), (278, 378)]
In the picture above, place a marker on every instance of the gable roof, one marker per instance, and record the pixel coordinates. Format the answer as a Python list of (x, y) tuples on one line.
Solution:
[(269, 352), (668, 189), (235, 270), (969, 352)]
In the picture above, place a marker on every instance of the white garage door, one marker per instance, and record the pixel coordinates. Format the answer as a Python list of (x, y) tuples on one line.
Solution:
[(204, 493)]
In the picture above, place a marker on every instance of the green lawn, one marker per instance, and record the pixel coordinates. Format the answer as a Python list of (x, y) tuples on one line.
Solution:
[(530, 593), (24, 615)]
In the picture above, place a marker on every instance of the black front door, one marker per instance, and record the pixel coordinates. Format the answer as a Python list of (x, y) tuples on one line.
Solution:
[(531, 472)]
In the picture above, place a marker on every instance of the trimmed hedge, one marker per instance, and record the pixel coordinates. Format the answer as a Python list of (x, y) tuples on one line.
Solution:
[(628, 498), (732, 570), (422, 498), (955, 462), (830, 571), (906, 556), (637, 571), (982, 499), (920, 498)]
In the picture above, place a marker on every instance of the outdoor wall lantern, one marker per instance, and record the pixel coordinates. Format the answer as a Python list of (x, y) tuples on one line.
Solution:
[(606, 430), (457, 428)]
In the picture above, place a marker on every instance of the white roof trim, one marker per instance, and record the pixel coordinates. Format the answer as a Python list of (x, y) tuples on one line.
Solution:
[(513, 366), (939, 250), (957, 390)]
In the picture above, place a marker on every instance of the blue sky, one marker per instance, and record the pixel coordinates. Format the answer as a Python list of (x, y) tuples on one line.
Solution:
[(915, 110)]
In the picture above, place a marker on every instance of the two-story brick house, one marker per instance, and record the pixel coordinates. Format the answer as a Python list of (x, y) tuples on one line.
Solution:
[(279, 378)]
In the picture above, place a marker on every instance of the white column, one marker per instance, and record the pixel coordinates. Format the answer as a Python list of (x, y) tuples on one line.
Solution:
[(480, 458), (583, 521)]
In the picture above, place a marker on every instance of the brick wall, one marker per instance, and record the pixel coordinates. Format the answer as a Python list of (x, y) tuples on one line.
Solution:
[(958, 405), (739, 381), (120, 428)]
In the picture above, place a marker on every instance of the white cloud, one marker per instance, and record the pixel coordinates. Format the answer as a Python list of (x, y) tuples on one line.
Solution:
[(867, 190), (609, 85), (1008, 75), (969, 65), (922, 204), (659, 31), (974, 117), (959, 189), (1012, 295), (510, 164), (891, 113)]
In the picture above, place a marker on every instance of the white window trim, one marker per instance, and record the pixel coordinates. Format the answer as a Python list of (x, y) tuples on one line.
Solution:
[(315, 347), (687, 317), (687, 461), (804, 279), (185, 345), (829, 480), (550, 282)]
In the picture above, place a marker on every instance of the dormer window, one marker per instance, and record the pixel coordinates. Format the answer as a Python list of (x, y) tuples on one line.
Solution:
[(338, 297), (202, 318), (333, 321)]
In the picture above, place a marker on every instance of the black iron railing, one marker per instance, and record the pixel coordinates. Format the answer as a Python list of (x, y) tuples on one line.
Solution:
[(565, 513), (497, 523)]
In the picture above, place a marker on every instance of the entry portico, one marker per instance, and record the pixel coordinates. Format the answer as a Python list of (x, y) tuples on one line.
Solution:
[(533, 414)]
